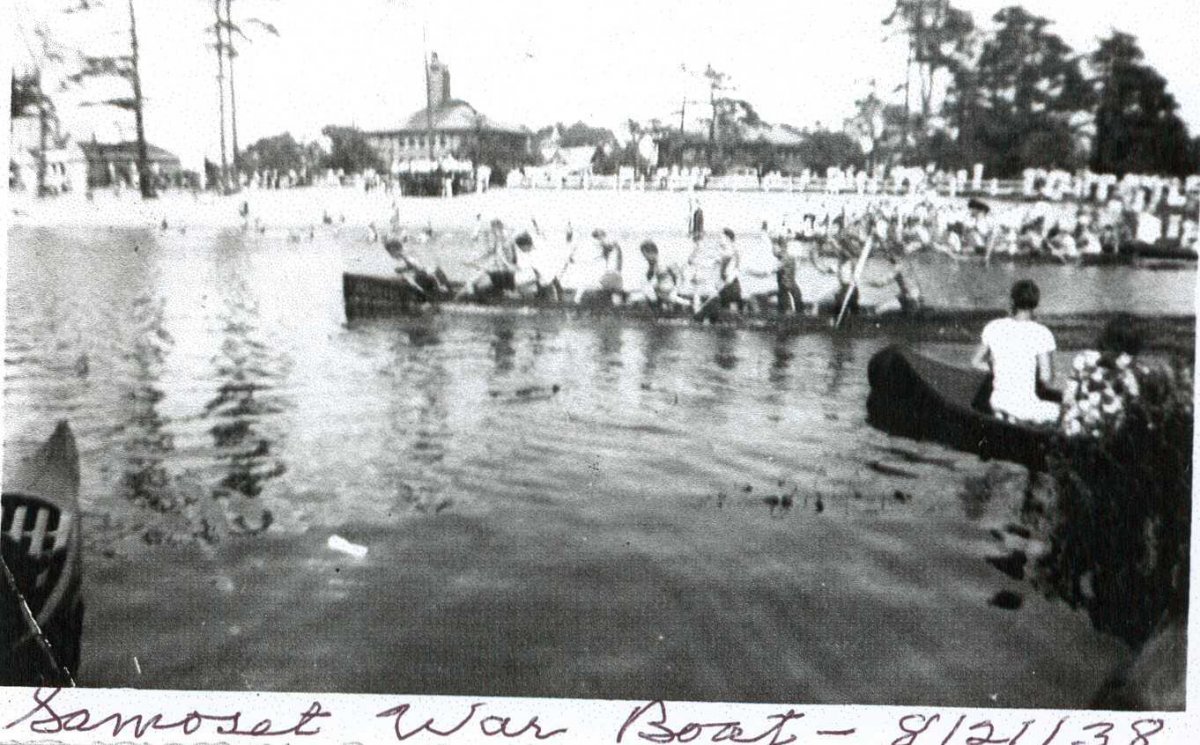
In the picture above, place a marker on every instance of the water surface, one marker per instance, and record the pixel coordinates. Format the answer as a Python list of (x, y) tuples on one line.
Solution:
[(552, 506)]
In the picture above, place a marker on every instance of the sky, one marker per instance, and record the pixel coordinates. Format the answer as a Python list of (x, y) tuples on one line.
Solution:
[(532, 62)]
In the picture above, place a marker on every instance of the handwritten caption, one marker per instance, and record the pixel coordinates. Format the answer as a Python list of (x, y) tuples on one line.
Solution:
[(50, 713)]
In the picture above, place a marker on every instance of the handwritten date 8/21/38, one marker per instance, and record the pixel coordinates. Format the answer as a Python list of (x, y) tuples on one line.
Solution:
[(919, 729)]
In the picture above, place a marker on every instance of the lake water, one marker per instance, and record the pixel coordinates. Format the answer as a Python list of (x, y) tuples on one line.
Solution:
[(552, 506)]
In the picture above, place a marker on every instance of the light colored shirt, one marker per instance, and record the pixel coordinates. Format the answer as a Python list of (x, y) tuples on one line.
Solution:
[(1014, 346)]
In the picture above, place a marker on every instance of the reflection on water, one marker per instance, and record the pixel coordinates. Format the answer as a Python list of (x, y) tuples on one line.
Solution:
[(841, 359), (245, 401), (554, 505), (147, 444)]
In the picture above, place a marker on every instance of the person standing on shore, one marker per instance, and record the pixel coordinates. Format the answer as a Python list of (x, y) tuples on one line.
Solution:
[(1016, 351)]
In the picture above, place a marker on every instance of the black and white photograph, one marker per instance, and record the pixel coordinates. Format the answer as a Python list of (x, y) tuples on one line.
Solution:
[(692, 351)]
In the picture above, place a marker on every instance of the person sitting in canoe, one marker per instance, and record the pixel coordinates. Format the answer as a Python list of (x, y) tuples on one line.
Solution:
[(527, 275), (847, 248), (600, 275), (660, 289), (497, 263), (787, 288), (432, 285), (729, 270), (1017, 351), (699, 275), (908, 292), (765, 268)]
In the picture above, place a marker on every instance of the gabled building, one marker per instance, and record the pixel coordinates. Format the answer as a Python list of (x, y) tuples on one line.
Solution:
[(762, 147), (450, 128), (110, 162)]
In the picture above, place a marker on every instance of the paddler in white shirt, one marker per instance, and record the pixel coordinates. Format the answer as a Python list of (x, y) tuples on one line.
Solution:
[(660, 285)]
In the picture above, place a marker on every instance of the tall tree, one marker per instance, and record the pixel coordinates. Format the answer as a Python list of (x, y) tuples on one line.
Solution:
[(940, 37), (1027, 96), (718, 84), (1138, 128), (880, 128), (26, 94), (128, 68), (145, 180), (350, 151), (29, 92), (238, 29), (219, 31)]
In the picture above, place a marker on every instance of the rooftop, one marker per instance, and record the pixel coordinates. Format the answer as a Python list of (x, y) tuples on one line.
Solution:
[(126, 151), (452, 115)]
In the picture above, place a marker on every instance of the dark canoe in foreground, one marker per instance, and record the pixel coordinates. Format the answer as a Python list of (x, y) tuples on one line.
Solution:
[(370, 296), (923, 399), (42, 551)]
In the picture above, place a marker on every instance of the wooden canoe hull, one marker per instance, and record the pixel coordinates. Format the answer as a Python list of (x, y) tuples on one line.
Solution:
[(40, 537), (371, 297), (919, 398)]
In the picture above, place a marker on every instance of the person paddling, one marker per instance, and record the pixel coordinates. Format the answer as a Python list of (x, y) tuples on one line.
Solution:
[(730, 267), (498, 263), (599, 277), (661, 287), (432, 285), (1016, 350), (908, 291)]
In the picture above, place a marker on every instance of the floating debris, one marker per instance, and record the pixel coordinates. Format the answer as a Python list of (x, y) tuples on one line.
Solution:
[(343, 546)]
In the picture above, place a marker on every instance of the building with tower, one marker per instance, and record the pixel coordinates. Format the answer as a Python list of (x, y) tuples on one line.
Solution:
[(450, 130)]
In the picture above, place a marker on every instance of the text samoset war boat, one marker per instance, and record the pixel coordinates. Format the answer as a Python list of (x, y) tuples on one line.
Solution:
[(41, 603)]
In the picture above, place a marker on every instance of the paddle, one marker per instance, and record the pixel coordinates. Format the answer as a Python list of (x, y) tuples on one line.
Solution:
[(858, 270)]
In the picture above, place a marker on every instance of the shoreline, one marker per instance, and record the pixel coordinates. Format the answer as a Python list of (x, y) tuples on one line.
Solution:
[(304, 207)]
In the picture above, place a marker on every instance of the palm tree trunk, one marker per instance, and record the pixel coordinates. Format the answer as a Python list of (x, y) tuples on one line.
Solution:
[(232, 97), (221, 89), (145, 178)]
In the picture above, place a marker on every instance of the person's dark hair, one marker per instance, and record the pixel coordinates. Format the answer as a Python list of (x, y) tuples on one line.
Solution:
[(1120, 335), (729, 234), (1025, 295), (649, 246), (599, 234), (524, 240), (393, 245)]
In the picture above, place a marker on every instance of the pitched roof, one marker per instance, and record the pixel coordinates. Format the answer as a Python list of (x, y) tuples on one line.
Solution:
[(127, 151), (574, 158), (455, 114)]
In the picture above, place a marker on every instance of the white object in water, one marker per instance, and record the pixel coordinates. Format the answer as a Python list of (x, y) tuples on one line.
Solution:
[(341, 545)]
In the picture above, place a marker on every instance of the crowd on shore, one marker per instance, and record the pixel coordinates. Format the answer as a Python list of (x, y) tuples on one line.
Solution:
[(758, 269)]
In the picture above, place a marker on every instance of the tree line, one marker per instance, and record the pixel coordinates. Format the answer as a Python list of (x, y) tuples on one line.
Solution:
[(1016, 96)]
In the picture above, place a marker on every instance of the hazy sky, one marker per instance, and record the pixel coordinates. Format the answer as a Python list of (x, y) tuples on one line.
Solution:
[(535, 62)]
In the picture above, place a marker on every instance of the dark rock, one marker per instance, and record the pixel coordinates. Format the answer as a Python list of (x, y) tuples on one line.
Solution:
[(1007, 599), (1012, 565)]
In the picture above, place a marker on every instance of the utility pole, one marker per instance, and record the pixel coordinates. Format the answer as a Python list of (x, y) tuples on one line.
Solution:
[(145, 181), (231, 52), (221, 90)]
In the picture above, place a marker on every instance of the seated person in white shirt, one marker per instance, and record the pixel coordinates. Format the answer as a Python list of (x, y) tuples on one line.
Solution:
[(1016, 350)]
